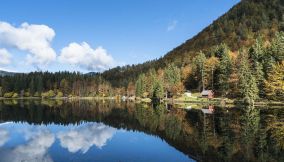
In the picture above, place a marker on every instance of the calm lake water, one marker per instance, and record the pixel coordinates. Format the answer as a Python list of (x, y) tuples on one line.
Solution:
[(79, 131)]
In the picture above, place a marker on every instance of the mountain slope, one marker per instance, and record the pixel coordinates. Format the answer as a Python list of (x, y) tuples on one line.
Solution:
[(237, 28)]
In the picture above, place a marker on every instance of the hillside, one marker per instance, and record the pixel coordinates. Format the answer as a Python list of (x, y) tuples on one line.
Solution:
[(237, 28)]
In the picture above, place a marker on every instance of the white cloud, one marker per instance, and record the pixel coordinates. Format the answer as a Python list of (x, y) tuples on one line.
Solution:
[(172, 25), (83, 138), (86, 57), (35, 150), (34, 39), (4, 136), (5, 57)]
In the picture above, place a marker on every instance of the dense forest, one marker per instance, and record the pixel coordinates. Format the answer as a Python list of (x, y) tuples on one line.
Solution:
[(238, 55)]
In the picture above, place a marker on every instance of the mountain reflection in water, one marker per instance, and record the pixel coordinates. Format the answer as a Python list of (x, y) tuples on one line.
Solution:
[(83, 130)]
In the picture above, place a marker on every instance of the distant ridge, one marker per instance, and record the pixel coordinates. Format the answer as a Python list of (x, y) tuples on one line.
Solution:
[(5, 73)]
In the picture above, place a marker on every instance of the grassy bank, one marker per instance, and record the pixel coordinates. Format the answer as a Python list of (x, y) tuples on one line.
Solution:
[(178, 101)]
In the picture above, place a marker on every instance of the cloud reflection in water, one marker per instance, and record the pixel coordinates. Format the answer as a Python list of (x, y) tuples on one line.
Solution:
[(84, 137), (35, 150), (4, 136)]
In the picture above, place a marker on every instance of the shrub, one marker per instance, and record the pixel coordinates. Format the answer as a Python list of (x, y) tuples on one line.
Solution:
[(37, 94), (8, 94), (59, 94), (27, 94), (48, 94), (15, 95)]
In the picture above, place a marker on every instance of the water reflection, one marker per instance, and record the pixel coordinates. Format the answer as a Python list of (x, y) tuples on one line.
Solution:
[(4, 136), (202, 133), (35, 149), (84, 137)]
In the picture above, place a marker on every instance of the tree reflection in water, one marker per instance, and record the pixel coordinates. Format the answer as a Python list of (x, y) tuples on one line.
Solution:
[(210, 134)]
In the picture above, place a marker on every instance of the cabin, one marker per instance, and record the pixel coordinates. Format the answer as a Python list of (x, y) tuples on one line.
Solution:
[(187, 94), (207, 94)]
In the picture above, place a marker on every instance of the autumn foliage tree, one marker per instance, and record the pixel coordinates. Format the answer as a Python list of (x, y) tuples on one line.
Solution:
[(274, 85)]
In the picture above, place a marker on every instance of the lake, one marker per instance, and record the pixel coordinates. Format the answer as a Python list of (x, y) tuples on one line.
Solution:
[(110, 131)]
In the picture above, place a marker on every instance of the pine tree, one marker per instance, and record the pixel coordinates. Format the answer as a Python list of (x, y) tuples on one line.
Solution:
[(172, 77), (199, 62), (277, 47), (247, 82), (32, 87), (158, 91), (140, 86), (224, 72), (221, 50), (256, 54), (1, 91), (39, 84), (64, 86), (150, 81)]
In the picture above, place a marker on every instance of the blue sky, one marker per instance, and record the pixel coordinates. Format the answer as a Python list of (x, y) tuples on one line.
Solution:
[(98, 34)]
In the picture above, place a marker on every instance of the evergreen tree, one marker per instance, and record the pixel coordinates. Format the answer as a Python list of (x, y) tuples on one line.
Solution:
[(158, 89), (224, 72), (277, 47), (247, 82), (256, 54), (1, 91), (150, 81), (39, 88), (268, 62), (221, 50), (64, 86), (140, 86), (172, 75), (32, 87), (199, 63)]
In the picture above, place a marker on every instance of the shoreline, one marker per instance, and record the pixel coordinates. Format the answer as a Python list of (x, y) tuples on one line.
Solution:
[(202, 101)]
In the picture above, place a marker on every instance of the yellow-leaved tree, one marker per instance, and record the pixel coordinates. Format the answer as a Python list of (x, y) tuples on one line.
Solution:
[(274, 85)]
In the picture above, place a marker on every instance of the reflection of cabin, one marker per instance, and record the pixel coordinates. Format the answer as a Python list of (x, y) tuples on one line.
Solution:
[(207, 111), (188, 107), (207, 93)]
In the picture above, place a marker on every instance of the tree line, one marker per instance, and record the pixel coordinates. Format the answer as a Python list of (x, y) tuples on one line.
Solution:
[(251, 73), (59, 84)]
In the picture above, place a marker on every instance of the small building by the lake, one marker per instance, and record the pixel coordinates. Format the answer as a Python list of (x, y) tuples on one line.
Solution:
[(207, 94), (187, 94)]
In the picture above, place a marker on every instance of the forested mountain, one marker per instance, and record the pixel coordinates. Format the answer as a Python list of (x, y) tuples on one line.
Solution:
[(240, 55), (237, 28)]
